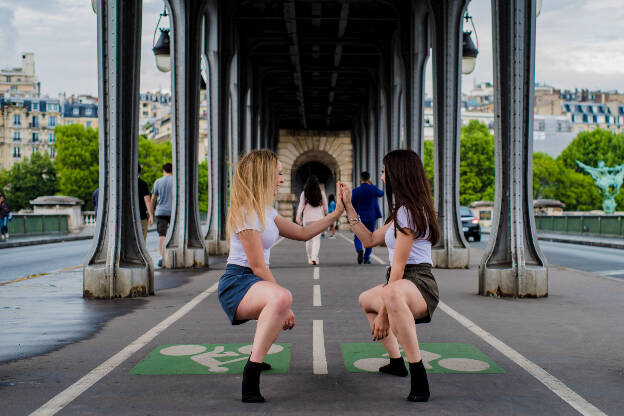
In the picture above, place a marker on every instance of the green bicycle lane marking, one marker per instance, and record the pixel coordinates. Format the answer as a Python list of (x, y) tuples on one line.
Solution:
[(209, 359), (441, 358)]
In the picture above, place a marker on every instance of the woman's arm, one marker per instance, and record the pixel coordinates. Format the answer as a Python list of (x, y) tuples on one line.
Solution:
[(325, 210), (293, 231), (300, 208), (401, 253), (252, 245), (368, 238)]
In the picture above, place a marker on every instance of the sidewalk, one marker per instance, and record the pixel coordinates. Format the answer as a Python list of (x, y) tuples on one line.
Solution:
[(23, 241), (585, 240), (175, 353)]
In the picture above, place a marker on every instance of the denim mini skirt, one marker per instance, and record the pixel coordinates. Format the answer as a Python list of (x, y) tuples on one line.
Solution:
[(233, 286)]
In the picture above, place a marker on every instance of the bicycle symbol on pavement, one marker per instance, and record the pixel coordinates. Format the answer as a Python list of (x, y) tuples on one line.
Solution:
[(208, 359)]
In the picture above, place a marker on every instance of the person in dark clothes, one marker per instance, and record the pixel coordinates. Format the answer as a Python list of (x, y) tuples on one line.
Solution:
[(146, 208), (5, 212), (364, 201)]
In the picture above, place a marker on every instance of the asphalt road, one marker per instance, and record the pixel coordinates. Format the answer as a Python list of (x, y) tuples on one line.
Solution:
[(605, 261)]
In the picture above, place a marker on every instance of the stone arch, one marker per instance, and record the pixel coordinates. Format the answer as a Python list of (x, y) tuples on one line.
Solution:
[(297, 148)]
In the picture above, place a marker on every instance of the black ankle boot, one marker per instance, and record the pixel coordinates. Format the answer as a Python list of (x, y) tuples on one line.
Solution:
[(251, 383), (396, 367), (420, 386)]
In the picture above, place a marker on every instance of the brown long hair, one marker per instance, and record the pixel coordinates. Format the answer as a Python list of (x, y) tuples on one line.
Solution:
[(312, 191), (407, 186)]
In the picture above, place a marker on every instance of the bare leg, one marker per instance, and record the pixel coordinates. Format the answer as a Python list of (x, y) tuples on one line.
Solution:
[(269, 303), (404, 303), (161, 240), (371, 302)]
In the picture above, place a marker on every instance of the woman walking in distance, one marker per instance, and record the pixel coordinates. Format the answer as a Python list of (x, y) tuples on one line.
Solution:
[(248, 290), (410, 295), (313, 205)]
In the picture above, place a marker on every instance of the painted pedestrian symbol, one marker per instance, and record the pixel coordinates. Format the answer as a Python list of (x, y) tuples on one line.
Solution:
[(437, 358), (209, 359)]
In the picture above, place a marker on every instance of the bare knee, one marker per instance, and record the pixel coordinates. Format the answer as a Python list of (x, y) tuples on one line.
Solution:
[(282, 300), (393, 297)]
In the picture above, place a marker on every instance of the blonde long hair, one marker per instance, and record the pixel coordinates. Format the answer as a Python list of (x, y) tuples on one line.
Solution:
[(253, 188)]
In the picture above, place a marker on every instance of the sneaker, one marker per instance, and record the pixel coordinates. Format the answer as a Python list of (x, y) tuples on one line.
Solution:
[(160, 263), (333, 237), (315, 262)]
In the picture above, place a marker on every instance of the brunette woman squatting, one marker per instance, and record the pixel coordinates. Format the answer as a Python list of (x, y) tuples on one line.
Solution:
[(248, 290), (410, 295)]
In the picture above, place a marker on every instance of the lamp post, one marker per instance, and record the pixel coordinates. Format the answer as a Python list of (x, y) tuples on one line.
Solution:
[(469, 50), (162, 48)]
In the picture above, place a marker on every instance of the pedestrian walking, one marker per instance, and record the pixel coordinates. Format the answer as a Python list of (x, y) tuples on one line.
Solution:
[(312, 208), (146, 208), (5, 217), (331, 207), (364, 201), (410, 295), (162, 193), (248, 290)]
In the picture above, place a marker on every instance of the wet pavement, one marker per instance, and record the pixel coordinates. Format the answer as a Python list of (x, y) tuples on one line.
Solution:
[(560, 355)]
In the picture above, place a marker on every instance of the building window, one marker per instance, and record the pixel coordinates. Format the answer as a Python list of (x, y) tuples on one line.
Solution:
[(16, 136), (88, 124), (540, 125), (88, 111), (35, 137), (35, 149), (52, 107), (35, 106), (13, 87), (17, 152), (35, 121), (17, 120), (76, 112), (51, 138), (52, 122), (52, 153)]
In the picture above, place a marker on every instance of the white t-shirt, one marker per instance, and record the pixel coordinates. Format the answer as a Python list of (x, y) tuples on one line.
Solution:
[(421, 248), (268, 237)]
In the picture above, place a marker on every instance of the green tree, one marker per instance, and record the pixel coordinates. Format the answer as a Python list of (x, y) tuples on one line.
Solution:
[(29, 179), (152, 156), (589, 148), (202, 185), (77, 161), (553, 180), (476, 165)]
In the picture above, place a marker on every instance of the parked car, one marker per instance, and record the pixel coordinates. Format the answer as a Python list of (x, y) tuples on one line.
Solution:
[(470, 224)]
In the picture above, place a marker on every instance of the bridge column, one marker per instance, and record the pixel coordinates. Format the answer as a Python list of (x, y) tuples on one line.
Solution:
[(118, 264), (184, 245), (513, 264), (419, 53), (452, 251), (371, 150), (382, 143), (215, 237)]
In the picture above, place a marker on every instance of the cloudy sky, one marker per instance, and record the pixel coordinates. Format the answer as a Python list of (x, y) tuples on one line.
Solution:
[(580, 43)]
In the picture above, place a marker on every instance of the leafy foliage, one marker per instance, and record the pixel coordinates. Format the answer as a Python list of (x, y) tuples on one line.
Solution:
[(26, 180), (476, 165), (152, 156), (77, 162), (202, 185)]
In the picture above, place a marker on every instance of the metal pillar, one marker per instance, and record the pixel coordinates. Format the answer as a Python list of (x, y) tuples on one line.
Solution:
[(184, 245), (382, 141), (118, 264), (234, 115), (371, 150), (216, 236), (452, 251), (418, 60), (513, 264), (247, 142)]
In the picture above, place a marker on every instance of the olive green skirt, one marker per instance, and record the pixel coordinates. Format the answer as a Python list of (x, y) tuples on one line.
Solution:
[(421, 276)]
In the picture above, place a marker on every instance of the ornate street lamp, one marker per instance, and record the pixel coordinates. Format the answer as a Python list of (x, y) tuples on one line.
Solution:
[(469, 50), (538, 8), (94, 6), (162, 48)]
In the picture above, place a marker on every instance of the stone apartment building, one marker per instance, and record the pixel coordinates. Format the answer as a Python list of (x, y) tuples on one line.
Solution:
[(22, 81), (81, 109)]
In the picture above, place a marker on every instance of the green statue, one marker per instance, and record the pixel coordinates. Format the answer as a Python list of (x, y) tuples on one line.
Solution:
[(609, 180)]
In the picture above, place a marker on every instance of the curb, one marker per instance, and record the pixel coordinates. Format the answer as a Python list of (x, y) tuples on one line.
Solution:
[(45, 241), (568, 240)]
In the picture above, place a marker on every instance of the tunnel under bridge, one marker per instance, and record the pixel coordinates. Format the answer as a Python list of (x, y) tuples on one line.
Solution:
[(332, 86)]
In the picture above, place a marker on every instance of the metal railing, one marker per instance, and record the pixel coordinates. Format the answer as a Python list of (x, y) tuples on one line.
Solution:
[(36, 224), (596, 225)]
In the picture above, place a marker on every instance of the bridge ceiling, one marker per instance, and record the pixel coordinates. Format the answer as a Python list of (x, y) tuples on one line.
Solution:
[(316, 61)]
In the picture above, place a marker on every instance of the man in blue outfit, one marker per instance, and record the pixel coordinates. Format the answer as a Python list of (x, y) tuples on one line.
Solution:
[(364, 200)]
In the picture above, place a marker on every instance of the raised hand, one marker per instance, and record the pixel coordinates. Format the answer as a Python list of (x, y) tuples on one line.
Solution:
[(346, 193)]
